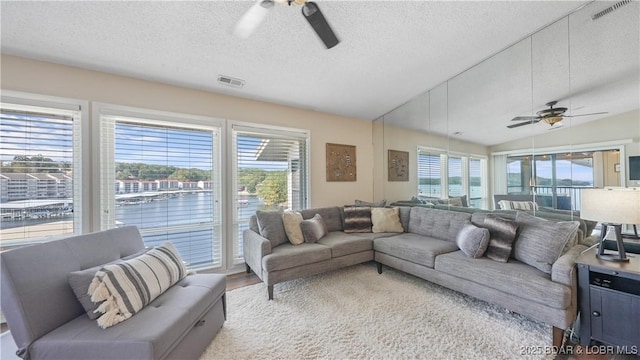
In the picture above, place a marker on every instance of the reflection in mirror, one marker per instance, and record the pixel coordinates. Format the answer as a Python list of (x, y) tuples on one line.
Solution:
[(589, 65)]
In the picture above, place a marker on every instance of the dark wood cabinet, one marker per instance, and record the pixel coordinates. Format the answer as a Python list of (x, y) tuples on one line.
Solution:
[(609, 300)]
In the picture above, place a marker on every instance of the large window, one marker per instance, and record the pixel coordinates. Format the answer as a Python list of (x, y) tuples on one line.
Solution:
[(442, 175), (555, 178), (40, 170), (163, 174), (270, 172)]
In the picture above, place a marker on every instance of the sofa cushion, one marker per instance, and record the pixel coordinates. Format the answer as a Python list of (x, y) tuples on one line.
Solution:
[(288, 256), (513, 278), (126, 287), (331, 216), (357, 219), (379, 203), (342, 244), (386, 220), (541, 242), (473, 240), (440, 224), (517, 205), (151, 334), (81, 279), (503, 232), (313, 229), (291, 221), (405, 214), (272, 227), (415, 248)]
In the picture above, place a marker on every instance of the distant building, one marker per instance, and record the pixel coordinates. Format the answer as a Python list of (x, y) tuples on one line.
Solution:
[(31, 186), (188, 185), (204, 185), (167, 184)]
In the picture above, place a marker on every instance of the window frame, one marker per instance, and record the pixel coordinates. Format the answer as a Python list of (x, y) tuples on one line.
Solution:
[(82, 150), (159, 118), (232, 173), (445, 156)]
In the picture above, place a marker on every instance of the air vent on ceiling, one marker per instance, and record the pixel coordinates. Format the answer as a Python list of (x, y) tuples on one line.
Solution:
[(229, 81), (610, 9)]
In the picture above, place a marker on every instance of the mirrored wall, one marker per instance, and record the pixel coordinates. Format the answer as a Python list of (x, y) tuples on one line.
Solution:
[(499, 129)]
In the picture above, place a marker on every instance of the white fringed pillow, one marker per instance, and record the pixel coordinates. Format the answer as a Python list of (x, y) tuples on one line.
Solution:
[(124, 288)]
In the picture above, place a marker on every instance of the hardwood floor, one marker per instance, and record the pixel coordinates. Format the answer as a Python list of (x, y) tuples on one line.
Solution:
[(238, 280)]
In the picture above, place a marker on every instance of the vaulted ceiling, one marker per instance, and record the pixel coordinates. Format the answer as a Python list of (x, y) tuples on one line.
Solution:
[(390, 51)]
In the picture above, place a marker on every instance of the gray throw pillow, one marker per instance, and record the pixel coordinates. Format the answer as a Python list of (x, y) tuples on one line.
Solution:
[(541, 242), (357, 219), (271, 227), (313, 229), (503, 233), (380, 203), (81, 279), (473, 240)]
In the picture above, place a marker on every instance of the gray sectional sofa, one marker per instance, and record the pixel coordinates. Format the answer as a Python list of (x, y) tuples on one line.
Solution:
[(47, 321), (427, 249)]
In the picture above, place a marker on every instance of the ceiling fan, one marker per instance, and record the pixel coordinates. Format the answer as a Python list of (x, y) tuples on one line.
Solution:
[(551, 116), (252, 18)]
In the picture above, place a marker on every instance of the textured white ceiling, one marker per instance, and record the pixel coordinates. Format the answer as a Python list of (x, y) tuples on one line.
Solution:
[(390, 51)]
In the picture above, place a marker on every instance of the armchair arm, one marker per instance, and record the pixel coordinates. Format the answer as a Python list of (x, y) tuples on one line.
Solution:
[(563, 270), (255, 248)]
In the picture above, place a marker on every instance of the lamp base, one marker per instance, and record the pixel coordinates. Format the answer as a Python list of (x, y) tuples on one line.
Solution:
[(621, 256), (612, 257)]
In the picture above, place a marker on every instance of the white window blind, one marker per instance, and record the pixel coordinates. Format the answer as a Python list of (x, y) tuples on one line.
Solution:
[(270, 172), (164, 177), (454, 176), (40, 173), (429, 173), (476, 182)]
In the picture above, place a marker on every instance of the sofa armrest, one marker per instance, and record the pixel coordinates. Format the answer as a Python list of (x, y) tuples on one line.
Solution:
[(255, 247), (563, 270)]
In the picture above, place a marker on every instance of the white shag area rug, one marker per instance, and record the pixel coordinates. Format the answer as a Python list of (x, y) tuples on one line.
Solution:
[(355, 313)]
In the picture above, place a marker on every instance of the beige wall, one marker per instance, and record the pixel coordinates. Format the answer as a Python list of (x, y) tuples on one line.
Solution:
[(20, 74)]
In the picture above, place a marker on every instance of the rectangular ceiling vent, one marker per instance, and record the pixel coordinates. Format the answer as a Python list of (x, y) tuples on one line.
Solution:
[(610, 9), (229, 81)]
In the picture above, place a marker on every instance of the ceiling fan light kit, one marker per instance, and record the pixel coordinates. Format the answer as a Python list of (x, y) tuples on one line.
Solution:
[(252, 18), (550, 116)]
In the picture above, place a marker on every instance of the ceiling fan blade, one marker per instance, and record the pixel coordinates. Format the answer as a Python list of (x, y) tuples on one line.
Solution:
[(314, 16), (532, 121), (598, 113), (525, 118), (252, 18)]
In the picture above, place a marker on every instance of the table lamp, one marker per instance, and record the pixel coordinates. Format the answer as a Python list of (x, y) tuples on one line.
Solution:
[(611, 207)]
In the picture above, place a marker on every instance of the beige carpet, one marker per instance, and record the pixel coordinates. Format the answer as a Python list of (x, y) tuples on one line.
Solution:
[(354, 313)]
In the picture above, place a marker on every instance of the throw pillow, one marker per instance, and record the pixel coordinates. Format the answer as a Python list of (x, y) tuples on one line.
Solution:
[(455, 201), (473, 240), (502, 232), (380, 203), (81, 279), (386, 220), (357, 219), (292, 220), (541, 242), (313, 229), (271, 227), (124, 288), (517, 205)]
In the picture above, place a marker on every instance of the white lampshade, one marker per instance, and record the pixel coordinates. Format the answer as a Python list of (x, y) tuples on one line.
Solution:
[(611, 205)]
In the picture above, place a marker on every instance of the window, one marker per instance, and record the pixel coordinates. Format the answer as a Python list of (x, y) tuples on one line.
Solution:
[(270, 172), (555, 178), (162, 173), (442, 175), (40, 170)]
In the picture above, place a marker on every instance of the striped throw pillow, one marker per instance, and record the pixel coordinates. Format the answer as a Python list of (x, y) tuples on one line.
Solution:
[(124, 288), (517, 205)]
